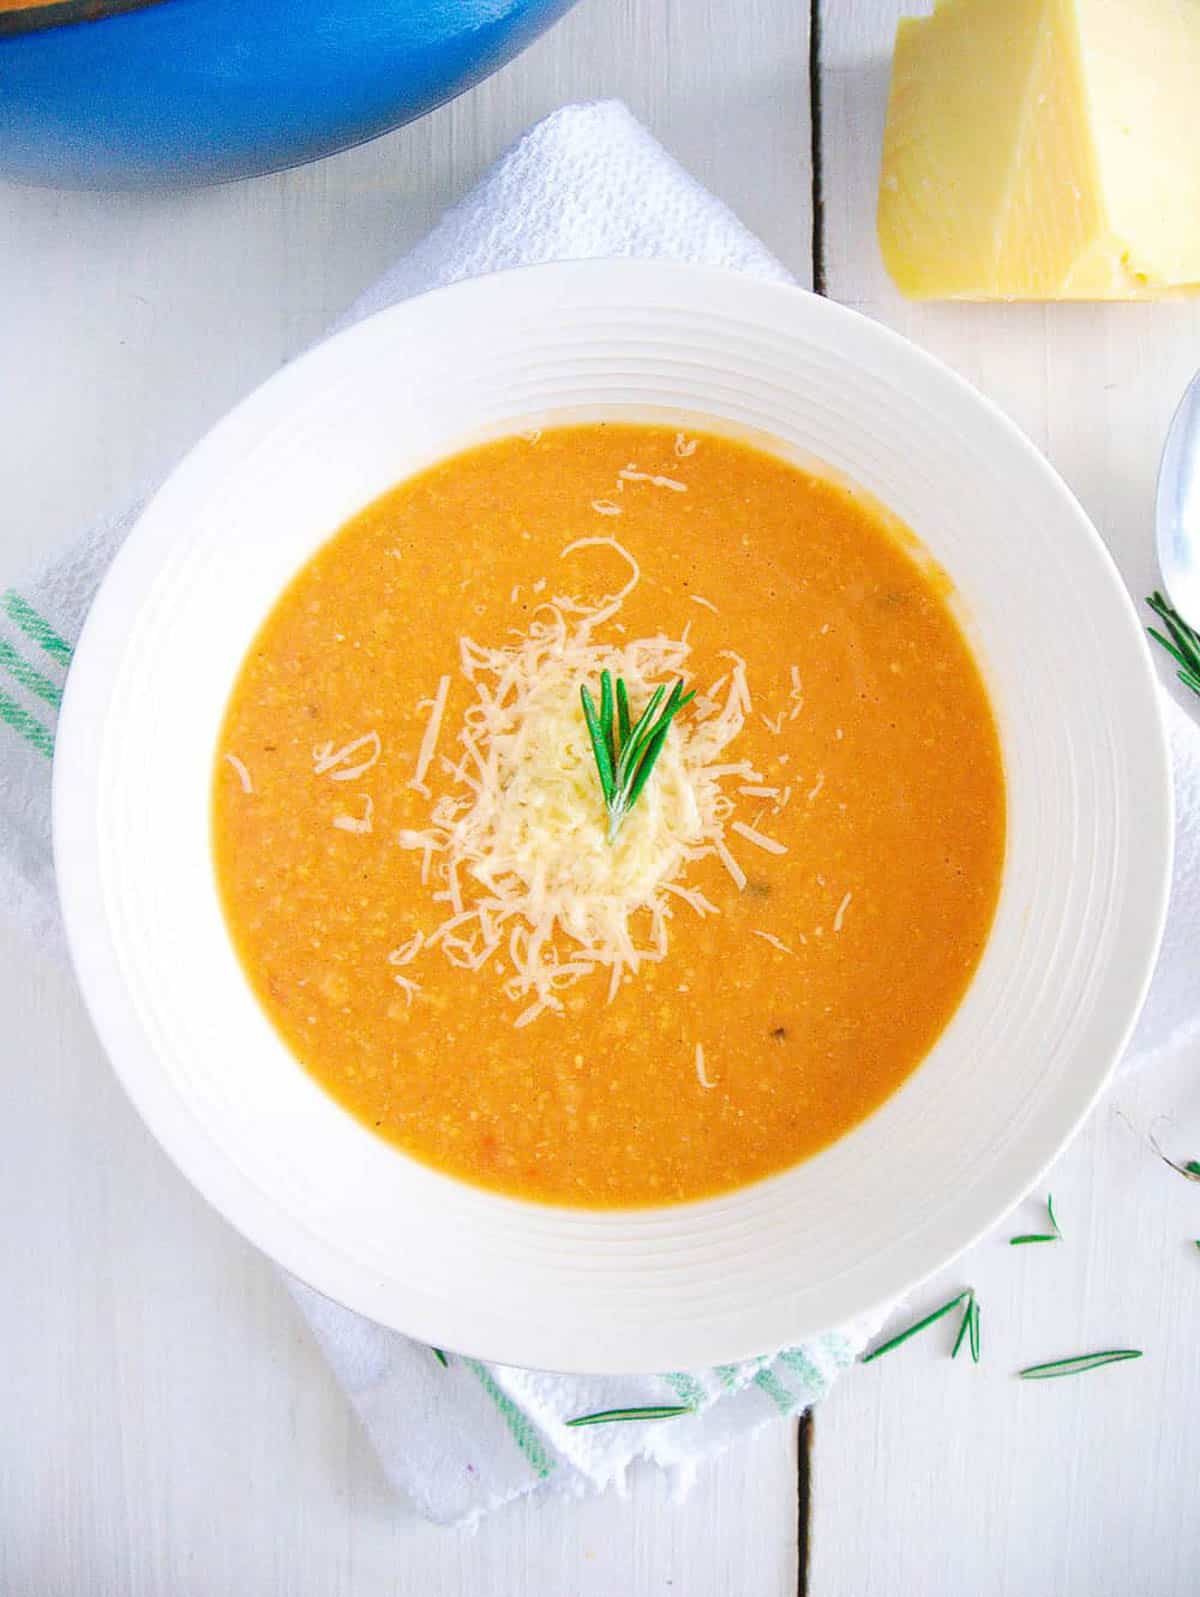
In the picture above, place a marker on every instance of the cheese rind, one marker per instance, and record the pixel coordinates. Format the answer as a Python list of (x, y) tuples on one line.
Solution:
[(1044, 149)]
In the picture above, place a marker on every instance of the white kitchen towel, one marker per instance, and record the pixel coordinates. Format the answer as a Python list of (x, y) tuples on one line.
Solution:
[(461, 1437)]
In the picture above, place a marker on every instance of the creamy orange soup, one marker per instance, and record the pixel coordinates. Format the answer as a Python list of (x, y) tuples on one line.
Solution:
[(410, 834)]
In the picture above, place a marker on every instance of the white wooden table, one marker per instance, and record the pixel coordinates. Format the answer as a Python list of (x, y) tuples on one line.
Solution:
[(166, 1428)]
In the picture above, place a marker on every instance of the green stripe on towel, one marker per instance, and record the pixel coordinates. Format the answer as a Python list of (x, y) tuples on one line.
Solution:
[(34, 626), (27, 725), (798, 1361), (687, 1389), (28, 677), (840, 1350), (770, 1383), (521, 1427)]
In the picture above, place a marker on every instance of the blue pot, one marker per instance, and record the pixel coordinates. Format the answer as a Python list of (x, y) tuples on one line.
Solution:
[(156, 92)]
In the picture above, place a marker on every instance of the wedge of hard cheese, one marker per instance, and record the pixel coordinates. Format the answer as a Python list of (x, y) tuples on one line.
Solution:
[(1044, 149)]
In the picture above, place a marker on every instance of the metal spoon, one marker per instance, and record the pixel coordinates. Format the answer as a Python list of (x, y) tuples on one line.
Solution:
[(1177, 510)]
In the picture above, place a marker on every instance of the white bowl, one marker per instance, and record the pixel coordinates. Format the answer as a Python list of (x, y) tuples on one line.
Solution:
[(1056, 994)]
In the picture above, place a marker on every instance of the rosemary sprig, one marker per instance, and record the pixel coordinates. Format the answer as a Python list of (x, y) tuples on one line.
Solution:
[(1040, 1236), (1183, 645), (1078, 1364), (610, 1416), (962, 1331), (626, 750), (440, 1357), (967, 1297), (1189, 1169), (969, 1327)]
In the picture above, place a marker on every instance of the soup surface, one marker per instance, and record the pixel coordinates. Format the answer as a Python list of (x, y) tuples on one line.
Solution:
[(412, 847)]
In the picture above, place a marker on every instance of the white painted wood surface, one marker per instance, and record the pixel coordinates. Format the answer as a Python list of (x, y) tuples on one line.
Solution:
[(165, 1425), (933, 1478)]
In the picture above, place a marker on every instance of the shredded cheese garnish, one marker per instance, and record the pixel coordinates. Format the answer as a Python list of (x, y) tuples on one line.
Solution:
[(243, 775), (693, 897), (685, 446), (701, 1073), (429, 742), (773, 723), (707, 603), (841, 912), (327, 759), (353, 823), (731, 865), (759, 792), (796, 694), (605, 507), (815, 789), (407, 952), (769, 937), (769, 844), (632, 474), (515, 847)]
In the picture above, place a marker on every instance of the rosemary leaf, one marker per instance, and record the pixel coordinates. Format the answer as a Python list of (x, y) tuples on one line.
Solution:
[(1184, 643), (968, 1328), (624, 725), (912, 1330), (640, 733), (962, 1330), (1167, 645), (1190, 1171), (646, 746), (599, 747), (606, 715), (610, 1416), (646, 764), (1039, 1236), (440, 1357), (1078, 1364)]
